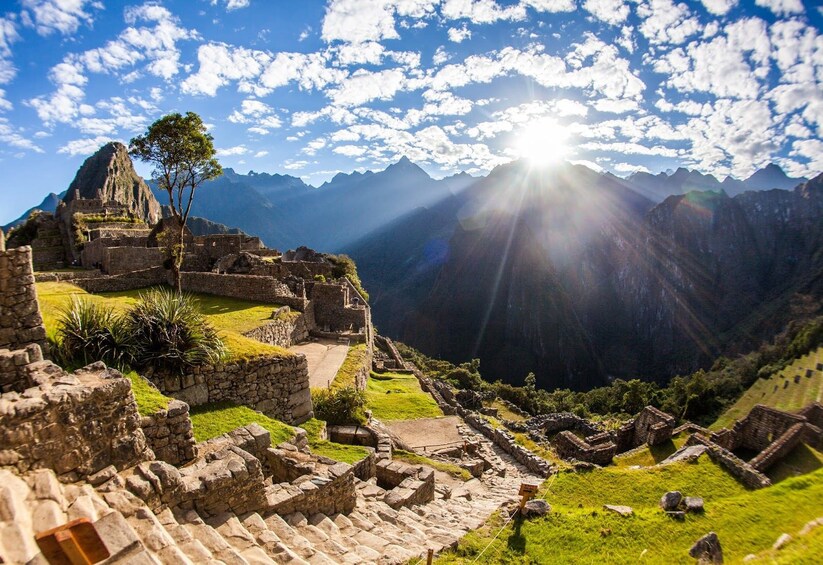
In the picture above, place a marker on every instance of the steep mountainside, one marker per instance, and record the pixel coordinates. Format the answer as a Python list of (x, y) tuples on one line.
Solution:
[(110, 176), (49, 204), (574, 276)]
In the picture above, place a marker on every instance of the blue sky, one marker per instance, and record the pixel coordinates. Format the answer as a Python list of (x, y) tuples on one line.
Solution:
[(310, 88)]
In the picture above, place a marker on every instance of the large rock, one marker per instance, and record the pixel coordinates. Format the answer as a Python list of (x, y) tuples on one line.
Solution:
[(670, 501), (707, 549), (109, 175), (536, 508)]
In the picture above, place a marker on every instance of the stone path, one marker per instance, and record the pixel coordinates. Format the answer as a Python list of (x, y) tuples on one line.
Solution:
[(325, 357), (428, 434)]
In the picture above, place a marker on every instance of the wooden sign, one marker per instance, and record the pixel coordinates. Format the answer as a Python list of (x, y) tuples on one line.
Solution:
[(73, 543), (527, 489)]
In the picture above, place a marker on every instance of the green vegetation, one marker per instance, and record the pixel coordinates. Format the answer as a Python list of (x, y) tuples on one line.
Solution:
[(212, 420), (229, 316), (149, 399), (780, 389), (355, 359), (340, 406), (651, 455), (337, 451), (25, 233), (504, 412), (578, 528), (803, 459), (416, 459), (88, 332), (391, 396), (344, 266)]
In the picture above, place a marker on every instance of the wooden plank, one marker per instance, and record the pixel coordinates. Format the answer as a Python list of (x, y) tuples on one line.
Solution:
[(83, 534)]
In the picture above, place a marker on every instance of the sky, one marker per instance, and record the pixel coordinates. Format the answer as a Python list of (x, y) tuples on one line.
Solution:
[(310, 87)]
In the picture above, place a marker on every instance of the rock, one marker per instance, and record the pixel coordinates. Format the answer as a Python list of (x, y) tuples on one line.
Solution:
[(536, 508), (678, 515), (749, 557), (671, 500), (782, 541), (693, 504), (707, 549), (688, 453), (622, 510)]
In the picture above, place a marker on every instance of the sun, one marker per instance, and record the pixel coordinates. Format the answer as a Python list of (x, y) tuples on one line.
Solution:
[(542, 143)]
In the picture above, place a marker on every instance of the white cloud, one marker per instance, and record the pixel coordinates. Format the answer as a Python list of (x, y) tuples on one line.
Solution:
[(457, 35), (615, 106), (364, 86), (812, 150), (357, 21), (14, 137), (233, 4), (349, 150), (551, 5), (629, 168), (782, 7), (612, 12), (229, 151), (255, 112), (8, 36), (481, 11), (666, 22), (64, 16), (307, 70), (719, 7), (440, 56), (260, 154), (221, 63), (85, 146), (313, 146)]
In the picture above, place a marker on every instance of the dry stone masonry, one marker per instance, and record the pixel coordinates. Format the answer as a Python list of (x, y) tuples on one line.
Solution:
[(20, 321), (169, 433)]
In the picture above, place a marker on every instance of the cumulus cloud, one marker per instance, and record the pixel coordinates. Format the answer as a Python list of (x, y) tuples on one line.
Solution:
[(481, 11), (231, 151), (666, 22), (232, 4), (782, 7), (457, 35), (255, 112), (62, 16), (719, 7), (84, 146), (612, 12), (8, 36), (551, 5)]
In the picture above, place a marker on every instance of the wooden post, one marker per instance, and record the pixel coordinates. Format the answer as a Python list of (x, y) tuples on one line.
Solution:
[(429, 557), (527, 492)]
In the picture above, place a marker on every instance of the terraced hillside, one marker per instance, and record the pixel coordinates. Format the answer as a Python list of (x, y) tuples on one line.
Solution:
[(790, 389)]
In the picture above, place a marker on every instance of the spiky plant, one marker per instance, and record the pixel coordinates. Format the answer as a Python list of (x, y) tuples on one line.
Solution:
[(88, 332), (171, 333)]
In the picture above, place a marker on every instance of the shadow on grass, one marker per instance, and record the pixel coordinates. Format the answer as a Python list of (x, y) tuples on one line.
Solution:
[(517, 541)]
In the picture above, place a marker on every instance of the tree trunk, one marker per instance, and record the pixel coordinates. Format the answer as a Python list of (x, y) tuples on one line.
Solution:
[(177, 260)]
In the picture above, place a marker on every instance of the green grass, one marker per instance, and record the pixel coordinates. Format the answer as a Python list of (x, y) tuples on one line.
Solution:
[(802, 550), (578, 530), (354, 361), (803, 459), (391, 396), (337, 451), (504, 412), (212, 420), (415, 459), (652, 455), (149, 399), (780, 391), (229, 316)]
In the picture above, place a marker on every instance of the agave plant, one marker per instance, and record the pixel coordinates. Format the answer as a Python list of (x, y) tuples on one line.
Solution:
[(170, 332), (88, 332)]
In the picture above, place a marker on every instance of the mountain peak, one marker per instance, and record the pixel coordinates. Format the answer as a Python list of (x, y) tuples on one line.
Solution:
[(772, 176)]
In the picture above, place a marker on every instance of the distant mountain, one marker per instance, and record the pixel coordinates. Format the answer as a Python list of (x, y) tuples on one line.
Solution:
[(577, 277), (49, 204), (772, 177)]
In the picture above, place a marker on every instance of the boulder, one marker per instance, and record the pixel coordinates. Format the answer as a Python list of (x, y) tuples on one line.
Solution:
[(536, 508), (622, 510), (782, 541), (707, 549), (693, 504), (671, 500)]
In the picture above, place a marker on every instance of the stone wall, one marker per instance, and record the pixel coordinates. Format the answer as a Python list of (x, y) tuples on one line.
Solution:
[(76, 424), (121, 260), (409, 484), (779, 448), (119, 283), (649, 427), (284, 332), (245, 287), (333, 309), (569, 446), (276, 386), (16, 367), (20, 321), (331, 493), (758, 429), (738, 468), (169, 434), (559, 421)]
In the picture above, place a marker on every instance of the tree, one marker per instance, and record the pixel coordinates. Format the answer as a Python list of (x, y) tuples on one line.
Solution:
[(182, 154)]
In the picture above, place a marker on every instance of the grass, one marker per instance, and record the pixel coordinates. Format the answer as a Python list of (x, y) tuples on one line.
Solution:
[(504, 412), (354, 361), (780, 390), (803, 459), (651, 455), (149, 399), (337, 451), (579, 531), (391, 396), (212, 420), (229, 316), (455, 471)]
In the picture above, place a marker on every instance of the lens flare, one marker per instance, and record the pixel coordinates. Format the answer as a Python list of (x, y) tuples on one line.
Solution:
[(542, 143)]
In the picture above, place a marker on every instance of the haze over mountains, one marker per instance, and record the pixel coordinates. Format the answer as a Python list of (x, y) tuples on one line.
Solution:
[(571, 274)]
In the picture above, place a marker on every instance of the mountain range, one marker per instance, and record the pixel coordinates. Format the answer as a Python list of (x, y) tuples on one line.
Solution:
[(571, 274)]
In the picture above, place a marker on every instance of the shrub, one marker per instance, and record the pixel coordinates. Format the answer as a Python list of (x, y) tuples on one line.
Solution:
[(171, 333), (339, 407), (88, 333), (320, 278), (344, 266)]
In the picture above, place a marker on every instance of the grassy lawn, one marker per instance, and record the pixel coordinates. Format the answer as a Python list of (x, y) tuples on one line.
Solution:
[(337, 451), (803, 459), (212, 420), (578, 530), (399, 397), (652, 455), (149, 399), (353, 362), (504, 412), (415, 459), (780, 390), (230, 316)]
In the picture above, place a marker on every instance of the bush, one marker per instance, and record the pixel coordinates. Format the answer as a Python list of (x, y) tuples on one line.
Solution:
[(88, 333), (343, 406), (170, 332), (344, 266), (320, 278)]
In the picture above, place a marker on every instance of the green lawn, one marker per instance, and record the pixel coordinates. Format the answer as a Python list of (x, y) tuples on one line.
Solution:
[(230, 316), (149, 399), (337, 451), (391, 396), (653, 455), (354, 361), (212, 420), (578, 530), (780, 390)]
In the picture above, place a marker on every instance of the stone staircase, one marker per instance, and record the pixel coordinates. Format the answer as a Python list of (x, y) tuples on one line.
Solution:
[(372, 533)]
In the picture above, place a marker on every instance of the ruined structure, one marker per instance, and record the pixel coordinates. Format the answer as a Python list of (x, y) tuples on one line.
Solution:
[(20, 321)]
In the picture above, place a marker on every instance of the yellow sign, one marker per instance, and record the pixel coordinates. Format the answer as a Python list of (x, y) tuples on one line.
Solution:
[(527, 488)]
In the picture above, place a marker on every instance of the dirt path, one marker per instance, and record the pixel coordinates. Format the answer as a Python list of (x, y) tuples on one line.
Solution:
[(325, 358), (428, 434)]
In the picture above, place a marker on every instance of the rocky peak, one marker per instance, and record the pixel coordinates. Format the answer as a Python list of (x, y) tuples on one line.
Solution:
[(109, 175), (772, 176)]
